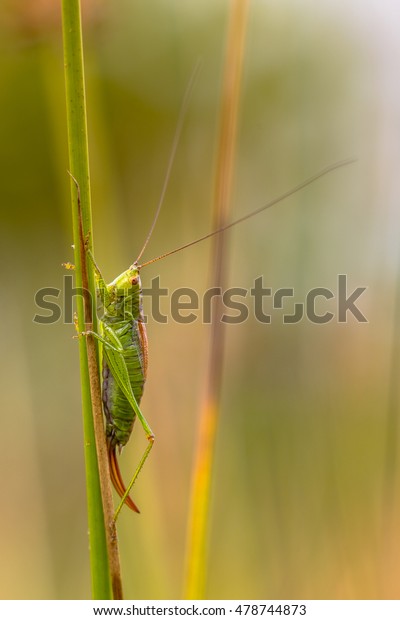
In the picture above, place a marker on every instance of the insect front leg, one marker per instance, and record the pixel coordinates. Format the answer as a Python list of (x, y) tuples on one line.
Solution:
[(102, 288)]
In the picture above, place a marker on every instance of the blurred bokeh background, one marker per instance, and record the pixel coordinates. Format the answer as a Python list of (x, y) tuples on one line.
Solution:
[(306, 484)]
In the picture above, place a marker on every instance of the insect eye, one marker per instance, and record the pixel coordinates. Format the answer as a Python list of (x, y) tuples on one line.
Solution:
[(135, 280)]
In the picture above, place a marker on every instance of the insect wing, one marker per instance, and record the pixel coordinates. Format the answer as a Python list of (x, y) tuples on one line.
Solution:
[(120, 373)]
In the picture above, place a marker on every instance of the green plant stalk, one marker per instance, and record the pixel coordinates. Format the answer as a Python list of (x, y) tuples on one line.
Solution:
[(196, 553), (79, 166)]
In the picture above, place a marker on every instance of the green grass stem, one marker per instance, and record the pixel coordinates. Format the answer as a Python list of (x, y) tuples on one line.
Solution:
[(104, 558)]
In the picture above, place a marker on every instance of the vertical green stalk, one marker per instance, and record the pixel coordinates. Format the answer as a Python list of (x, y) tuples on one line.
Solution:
[(201, 485), (79, 166)]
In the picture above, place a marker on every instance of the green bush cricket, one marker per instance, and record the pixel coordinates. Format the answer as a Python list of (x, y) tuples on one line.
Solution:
[(124, 342)]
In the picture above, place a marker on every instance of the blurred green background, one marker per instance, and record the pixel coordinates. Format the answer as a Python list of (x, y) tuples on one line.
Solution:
[(306, 481)]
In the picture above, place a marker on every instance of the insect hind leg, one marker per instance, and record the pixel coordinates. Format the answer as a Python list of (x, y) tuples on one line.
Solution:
[(115, 359), (136, 474)]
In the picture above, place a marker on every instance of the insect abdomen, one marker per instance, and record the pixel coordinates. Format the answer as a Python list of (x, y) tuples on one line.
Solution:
[(119, 413)]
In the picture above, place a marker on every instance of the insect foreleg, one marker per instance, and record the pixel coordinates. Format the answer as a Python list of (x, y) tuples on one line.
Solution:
[(102, 287)]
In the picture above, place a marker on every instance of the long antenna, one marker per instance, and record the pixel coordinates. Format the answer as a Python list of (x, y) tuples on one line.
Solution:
[(273, 202), (178, 130)]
